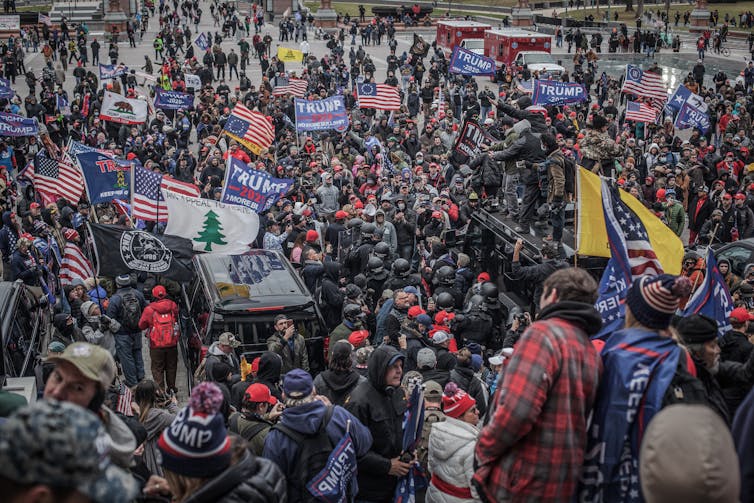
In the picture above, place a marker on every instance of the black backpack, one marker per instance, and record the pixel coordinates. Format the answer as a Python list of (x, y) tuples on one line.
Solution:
[(130, 311), (314, 450), (684, 387)]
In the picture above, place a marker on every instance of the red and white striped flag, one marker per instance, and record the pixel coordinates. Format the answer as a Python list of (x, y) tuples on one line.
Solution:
[(296, 87), (75, 265), (54, 179), (148, 203), (640, 112), (644, 84), (378, 96), (125, 397), (252, 129)]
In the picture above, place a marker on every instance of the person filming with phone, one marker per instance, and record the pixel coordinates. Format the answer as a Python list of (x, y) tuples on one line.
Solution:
[(289, 344)]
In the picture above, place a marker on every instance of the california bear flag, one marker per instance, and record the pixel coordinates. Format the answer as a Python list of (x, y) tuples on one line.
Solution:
[(212, 227)]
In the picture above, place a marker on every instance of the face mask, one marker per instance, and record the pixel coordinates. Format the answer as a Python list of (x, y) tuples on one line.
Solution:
[(401, 206)]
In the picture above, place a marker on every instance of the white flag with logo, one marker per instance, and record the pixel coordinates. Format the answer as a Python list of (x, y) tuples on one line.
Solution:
[(193, 81), (117, 108), (212, 226)]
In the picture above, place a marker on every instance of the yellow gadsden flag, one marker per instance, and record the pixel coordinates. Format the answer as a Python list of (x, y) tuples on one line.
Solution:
[(287, 55), (591, 233)]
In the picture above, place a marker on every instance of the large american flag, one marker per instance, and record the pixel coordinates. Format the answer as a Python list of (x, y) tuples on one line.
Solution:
[(54, 179), (378, 96), (640, 112), (296, 87), (632, 256), (646, 84), (148, 203), (253, 129), (75, 265)]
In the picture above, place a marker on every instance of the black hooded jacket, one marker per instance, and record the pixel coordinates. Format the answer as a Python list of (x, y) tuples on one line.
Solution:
[(381, 410), (270, 365), (337, 384), (331, 302)]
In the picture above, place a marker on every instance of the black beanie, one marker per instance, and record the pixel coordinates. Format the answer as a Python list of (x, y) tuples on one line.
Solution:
[(697, 329), (598, 122)]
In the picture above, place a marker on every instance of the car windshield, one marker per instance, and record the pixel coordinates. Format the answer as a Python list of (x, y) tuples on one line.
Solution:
[(474, 44), (538, 59)]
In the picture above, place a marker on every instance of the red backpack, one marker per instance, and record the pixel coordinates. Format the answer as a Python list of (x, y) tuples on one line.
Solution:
[(164, 332)]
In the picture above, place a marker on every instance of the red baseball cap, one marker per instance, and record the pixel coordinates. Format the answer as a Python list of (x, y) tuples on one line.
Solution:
[(739, 196), (259, 393), (415, 311), (312, 235), (340, 215), (34, 205), (358, 337), (741, 315), (483, 276), (727, 196)]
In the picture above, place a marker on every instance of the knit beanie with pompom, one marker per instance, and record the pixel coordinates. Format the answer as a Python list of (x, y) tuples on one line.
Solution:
[(455, 401), (654, 299), (196, 444)]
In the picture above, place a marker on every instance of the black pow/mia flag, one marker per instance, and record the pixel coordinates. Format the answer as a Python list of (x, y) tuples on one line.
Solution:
[(122, 251)]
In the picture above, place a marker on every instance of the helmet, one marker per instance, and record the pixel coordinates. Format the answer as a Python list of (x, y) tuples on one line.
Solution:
[(375, 265), (401, 267), (368, 229), (489, 291), (476, 302), (352, 291), (352, 312), (445, 275), (382, 249), (355, 223), (445, 301)]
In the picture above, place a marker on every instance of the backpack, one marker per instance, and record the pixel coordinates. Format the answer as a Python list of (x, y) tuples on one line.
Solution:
[(130, 311), (200, 374), (249, 431), (685, 387), (164, 332), (314, 450)]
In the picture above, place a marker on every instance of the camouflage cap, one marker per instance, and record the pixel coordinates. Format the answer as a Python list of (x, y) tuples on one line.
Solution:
[(60, 444), (94, 362)]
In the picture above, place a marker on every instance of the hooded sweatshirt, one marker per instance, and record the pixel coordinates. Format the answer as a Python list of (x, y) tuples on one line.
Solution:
[(337, 384), (96, 332)]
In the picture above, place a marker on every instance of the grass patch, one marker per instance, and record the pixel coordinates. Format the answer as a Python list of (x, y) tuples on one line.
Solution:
[(344, 8)]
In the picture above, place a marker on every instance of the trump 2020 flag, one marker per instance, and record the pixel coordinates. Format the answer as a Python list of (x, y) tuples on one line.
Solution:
[(211, 226), (202, 42), (466, 62), (253, 188), (111, 71), (336, 482), (684, 95), (105, 177), (413, 422), (712, 298), (689, 117), (17, 125), (551, 92), (319, 115), (173, 100)]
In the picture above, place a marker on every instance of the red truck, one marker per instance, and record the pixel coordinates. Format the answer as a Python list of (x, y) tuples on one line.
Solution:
[(467, 34), (518, 47)]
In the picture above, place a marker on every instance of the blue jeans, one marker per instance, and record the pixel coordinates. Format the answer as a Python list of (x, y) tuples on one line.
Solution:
[(128, 351)]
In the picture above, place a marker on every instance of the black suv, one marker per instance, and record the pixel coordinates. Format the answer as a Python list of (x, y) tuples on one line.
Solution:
[(25, 325), (242, 294)]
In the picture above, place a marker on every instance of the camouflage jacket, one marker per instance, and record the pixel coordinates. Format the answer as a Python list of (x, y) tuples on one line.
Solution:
[(599, 146)]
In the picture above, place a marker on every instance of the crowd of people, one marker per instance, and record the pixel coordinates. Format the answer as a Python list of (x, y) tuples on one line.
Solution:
[(517, 402)]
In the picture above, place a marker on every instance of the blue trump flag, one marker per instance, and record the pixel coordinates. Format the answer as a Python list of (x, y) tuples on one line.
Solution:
[(6, 91), (105, 177), (17, 125), (173, 100), (552, 92), (465, 62), (111, 71), (413, 422), (690, 116), (251, 187), (684, 95), (336, 482), (712, 298), (202, 42), (319, 115)]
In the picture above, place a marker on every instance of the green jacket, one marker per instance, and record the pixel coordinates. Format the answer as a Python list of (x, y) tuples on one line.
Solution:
[(676, 218), (339, 333), (299, 359)]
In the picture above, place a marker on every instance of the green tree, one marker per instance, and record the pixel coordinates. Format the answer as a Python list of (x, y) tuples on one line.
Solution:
[(212, 232)]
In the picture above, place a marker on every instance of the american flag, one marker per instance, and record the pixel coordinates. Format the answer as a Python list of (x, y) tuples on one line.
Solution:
[(148, 203), (378, 96), (646, 84), (53, 179), (75, 265), (632, 257), (296, 87), (253, 129), (125, 397), (640, 112)]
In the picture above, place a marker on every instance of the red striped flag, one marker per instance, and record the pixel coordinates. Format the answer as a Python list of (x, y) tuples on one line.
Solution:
[(148, 203), (640, 112), (645, 84), (296, 87), (75, 265), (125, 397), (252, 129), (378, 96), (54, 179)]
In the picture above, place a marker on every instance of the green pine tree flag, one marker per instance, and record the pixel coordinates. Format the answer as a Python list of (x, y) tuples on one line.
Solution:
[(212, 232)]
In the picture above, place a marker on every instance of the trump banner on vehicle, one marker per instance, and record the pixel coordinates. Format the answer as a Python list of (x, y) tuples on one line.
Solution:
[(551, 92), (320, 115), (173, 100), (117, 108), (252, 188), (17, 125), (465, 62)]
